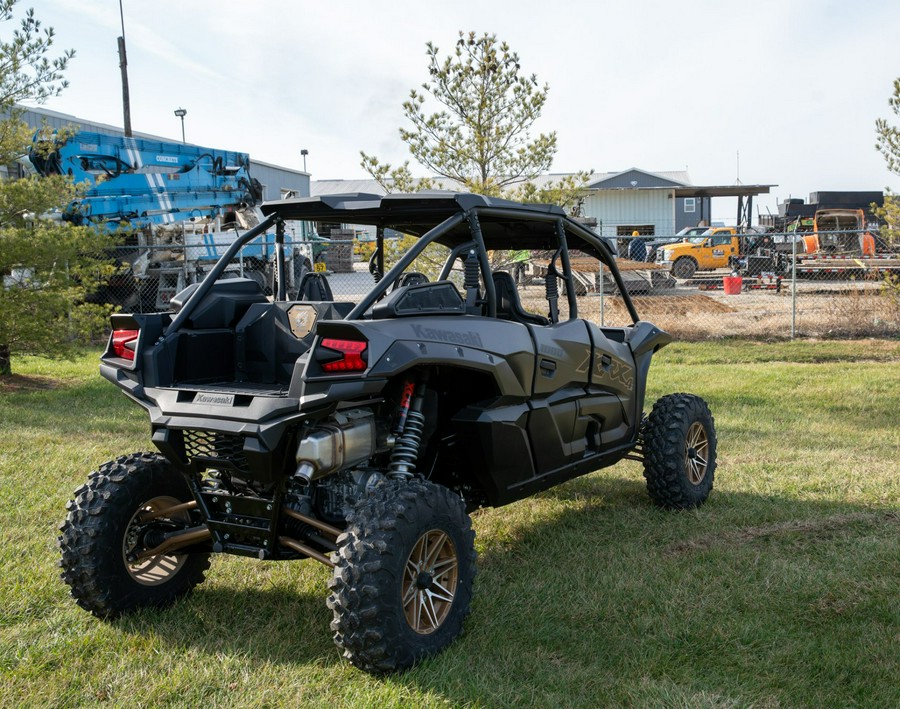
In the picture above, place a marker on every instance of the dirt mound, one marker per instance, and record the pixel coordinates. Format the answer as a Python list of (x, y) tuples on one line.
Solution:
[(678, 305)]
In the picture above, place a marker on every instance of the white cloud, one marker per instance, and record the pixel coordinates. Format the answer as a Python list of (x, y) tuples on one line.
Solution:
[(795, 87)]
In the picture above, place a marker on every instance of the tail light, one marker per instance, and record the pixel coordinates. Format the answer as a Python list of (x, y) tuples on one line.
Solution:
[(124, 343), (342, 355)]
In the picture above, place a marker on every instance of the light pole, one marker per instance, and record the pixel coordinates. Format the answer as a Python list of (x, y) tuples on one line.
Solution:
[(181, 113), (304, 152)]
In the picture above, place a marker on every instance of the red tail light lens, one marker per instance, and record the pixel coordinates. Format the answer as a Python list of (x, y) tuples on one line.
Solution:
[(124, 342), (351, 355)]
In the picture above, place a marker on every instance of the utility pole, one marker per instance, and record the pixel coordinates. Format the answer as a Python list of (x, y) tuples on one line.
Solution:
[(123, 65)]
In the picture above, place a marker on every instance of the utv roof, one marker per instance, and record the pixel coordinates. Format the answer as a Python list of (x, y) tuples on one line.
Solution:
[(383, 210), (504, 223)]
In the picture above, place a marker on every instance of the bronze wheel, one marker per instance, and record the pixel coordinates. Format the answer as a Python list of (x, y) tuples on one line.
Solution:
[(156, 569), (696, 453), (119, 513), (403, 575), (679, 439), (429, 582)]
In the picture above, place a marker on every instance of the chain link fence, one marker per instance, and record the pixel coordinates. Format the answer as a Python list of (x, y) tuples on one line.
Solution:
[(760, 285)]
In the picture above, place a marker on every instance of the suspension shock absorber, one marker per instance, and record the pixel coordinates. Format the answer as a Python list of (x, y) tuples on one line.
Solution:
[(410, 428)]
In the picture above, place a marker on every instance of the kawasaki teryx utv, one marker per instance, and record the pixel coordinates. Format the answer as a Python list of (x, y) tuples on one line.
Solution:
[(361, 434)]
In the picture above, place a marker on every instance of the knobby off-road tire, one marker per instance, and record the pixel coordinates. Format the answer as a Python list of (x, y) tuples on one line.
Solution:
[(103, 524), (402, 584), (679, 451)]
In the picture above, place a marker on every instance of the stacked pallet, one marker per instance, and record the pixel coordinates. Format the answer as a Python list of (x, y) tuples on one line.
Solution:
[(339, 255)]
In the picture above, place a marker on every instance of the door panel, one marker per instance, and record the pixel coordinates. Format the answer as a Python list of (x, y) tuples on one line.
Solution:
[(612, 385), (558, 428), (563, 356)]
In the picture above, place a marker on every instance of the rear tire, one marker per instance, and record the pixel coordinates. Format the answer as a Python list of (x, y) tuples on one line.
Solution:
[(679, 452), (402, 584), (104, 524)]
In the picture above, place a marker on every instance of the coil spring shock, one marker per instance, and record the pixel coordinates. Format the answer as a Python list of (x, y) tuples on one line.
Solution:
[(406, 449)]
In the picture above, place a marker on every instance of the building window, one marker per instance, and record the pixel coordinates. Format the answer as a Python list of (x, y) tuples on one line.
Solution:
[(690, 204)]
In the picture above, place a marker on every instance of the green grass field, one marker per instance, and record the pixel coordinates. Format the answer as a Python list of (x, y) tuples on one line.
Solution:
[(783, 591)]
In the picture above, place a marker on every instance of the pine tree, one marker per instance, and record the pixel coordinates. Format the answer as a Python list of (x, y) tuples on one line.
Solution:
[(46, 266), (471, 124)]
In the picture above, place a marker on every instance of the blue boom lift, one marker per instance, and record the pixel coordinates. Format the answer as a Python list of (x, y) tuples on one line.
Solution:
[(146, 182), (180, 202)]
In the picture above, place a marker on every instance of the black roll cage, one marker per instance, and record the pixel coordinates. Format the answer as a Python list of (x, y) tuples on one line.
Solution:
[(472, 216)]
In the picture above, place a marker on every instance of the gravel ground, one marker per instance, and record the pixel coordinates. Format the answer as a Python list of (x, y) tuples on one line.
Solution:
[(822, 308)]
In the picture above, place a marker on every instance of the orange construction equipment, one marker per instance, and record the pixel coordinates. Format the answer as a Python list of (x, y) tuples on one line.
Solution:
[(840, 231)]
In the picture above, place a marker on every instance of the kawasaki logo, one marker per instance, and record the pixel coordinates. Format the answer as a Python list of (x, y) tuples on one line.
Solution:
[(455, 338), (215, 399)]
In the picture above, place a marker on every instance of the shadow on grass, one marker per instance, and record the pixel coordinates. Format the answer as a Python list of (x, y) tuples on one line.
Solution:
[(749, 600), (606, 599), (615, 492), (272, 625)]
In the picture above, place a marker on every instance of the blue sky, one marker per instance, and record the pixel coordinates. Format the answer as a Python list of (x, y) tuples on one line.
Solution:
[(793, 86)]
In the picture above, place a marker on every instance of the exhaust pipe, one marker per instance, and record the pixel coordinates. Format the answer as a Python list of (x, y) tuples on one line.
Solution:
[(337, 445)]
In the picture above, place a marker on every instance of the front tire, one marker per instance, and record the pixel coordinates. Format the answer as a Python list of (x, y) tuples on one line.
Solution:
[(107, 523), (685, 267), (679, 440), (402, 584)]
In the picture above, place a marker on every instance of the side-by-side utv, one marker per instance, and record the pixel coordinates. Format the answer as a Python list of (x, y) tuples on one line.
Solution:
[(361, 434)]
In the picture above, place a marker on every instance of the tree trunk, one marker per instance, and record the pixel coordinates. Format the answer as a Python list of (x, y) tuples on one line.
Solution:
[(5, 361)]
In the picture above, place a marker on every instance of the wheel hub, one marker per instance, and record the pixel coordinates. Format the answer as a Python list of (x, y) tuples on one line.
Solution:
[(429, 582), (157, 569), (696, 453)]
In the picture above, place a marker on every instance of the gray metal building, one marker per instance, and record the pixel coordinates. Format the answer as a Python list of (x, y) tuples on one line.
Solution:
[(618, 202), (642, 201)]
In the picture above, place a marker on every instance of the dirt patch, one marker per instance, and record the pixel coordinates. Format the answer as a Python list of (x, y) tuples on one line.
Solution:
[(697, 304), (647, 306), (689, 315), (812, 529), (23, 382), (675, 313)]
